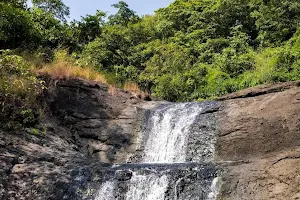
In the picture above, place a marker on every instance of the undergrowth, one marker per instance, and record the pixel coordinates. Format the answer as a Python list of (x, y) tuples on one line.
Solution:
[(19, 92)]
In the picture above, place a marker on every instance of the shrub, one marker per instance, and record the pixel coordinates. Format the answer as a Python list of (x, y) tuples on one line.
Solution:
[(19, 90)]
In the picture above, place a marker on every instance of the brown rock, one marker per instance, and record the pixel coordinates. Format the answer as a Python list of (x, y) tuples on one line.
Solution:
[(102, 156), (262, 131)]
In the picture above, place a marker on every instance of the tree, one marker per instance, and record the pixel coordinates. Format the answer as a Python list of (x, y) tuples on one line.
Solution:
[(51, 31), (276, 20), (123, 16), (90, 27), (56, 7), (16, 27), (15, 3)]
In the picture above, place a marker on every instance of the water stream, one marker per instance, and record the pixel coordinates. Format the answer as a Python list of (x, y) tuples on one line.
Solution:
[(177, 145), (167, 135)]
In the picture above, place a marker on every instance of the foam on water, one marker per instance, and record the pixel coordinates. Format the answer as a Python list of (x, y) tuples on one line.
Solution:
[(149, 187), (106, 191), (215, 188)]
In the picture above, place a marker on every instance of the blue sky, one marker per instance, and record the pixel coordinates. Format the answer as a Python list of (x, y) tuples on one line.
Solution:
[(83, 7)]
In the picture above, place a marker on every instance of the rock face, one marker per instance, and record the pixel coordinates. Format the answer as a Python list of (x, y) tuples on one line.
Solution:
[(262, 131), (90, 126), (102, 120)]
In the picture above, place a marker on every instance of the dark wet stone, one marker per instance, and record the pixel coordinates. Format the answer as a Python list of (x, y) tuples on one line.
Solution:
[(123, 175)]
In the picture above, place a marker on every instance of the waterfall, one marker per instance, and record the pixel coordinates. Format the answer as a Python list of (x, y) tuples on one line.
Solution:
[(138, 189), (168, 133), (171, 138)]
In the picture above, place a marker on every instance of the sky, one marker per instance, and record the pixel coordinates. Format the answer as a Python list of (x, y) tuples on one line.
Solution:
[(80, 8)]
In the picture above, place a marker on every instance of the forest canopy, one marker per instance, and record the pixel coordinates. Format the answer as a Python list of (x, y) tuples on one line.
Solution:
[(189, 51)]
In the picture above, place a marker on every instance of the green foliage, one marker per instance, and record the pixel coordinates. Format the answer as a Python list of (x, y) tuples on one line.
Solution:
[(169, 74), (191, 50), (125, 74), (55, 7), (24, 28), (275, 20), (90, 27), (194, 50), (16, 27), (16, 3), (37, 132), (50, 30), (124, 14), (19, 90), (113, 48)]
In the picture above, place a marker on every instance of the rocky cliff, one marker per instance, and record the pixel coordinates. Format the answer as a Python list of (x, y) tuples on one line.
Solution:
[(89, 127)]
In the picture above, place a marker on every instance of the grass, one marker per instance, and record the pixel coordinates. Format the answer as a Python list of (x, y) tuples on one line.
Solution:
[(112, 90), (132, 87), (135, 89), (61, 69), (265, 64), (64, 67)]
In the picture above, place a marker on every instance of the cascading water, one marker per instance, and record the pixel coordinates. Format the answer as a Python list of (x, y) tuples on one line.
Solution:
[(175, 159), (154, 189), (106, 191), (167, 136), (147, 187)]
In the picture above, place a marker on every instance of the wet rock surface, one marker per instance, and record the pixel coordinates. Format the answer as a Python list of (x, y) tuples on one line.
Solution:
[(200, 145)]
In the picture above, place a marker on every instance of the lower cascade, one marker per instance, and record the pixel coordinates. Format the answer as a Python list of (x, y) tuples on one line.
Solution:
[(173, 159)]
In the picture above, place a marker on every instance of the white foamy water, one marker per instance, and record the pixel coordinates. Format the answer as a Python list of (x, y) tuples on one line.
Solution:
[(149, 187), (169, 132), (106, 191), (141, 187), (215, 188)]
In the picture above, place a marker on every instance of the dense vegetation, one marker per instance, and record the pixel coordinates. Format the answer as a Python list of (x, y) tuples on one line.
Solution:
[(191, 50)]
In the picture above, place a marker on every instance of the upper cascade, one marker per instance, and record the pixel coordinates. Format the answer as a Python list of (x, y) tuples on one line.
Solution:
[(168, 131)]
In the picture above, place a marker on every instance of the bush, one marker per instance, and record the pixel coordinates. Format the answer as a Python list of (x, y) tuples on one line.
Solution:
[(19, 90)]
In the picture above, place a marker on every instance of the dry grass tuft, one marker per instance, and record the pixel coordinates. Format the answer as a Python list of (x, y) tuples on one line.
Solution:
[(65, 70), (135, 90), (132, 87), (112, 90)]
